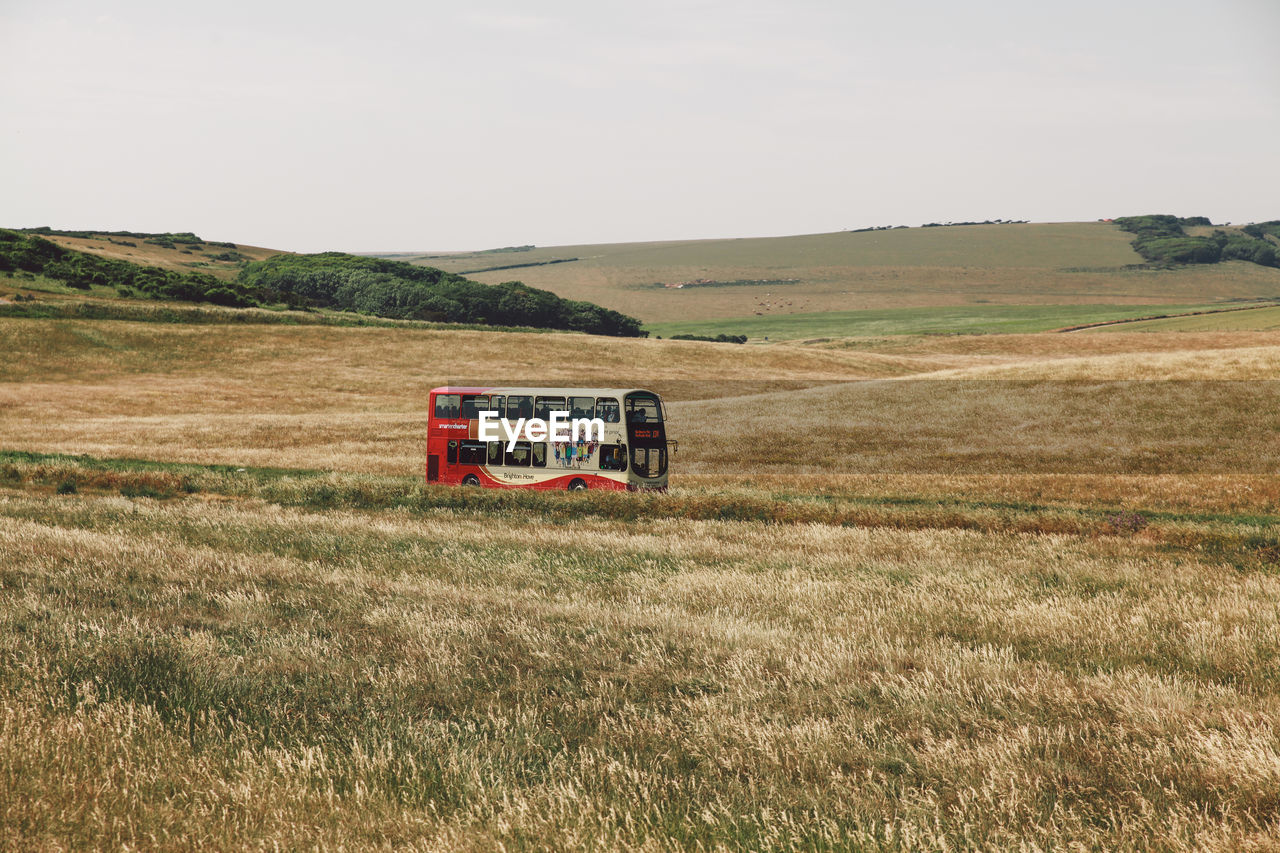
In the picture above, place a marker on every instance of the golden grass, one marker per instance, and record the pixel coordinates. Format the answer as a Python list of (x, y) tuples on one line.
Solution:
[(219, 670), (1240, 363), (353, 399), (195, 674)]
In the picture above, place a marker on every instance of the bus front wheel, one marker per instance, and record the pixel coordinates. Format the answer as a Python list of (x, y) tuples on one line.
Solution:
[(577, 485), (471, 480)]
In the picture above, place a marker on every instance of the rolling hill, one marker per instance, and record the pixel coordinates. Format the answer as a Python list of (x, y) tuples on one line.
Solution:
[(1079, 263)]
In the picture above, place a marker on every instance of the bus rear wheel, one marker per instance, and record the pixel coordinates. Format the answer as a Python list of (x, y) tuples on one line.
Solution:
[(576, 485), (471, 480)]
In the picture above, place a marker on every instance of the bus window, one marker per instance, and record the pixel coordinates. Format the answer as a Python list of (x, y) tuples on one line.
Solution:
[(643, 409), (582, 407), (649, 461), (494, 452), (446, 405), (472, 452), (547, 405), (519, 407), (498, 403), (452, 455), (540, 455), (613, 457), (519, 455), (607, 409), (472, 404)]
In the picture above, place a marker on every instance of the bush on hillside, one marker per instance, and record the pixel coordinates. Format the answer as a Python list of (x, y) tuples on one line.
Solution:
[(719, 339), (1161, 240)]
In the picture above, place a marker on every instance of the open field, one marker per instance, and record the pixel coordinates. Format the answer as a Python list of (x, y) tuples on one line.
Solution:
[(907, 592), (218, 673), (1044, 264), (951, 320), (352, 398)]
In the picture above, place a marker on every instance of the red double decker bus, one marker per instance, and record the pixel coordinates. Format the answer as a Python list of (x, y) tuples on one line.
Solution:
[(626, 450)]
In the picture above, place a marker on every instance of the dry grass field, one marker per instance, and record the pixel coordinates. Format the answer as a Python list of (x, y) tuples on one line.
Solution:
[(906, 593)]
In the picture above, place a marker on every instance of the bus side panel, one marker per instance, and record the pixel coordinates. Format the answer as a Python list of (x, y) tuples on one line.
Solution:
[(559, 483)]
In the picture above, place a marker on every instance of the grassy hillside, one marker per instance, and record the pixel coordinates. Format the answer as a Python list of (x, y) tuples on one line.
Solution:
[(215, 258), (1014, 264), (331, 281)]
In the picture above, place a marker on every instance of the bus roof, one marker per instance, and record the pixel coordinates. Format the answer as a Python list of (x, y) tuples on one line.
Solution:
[(535, 390)]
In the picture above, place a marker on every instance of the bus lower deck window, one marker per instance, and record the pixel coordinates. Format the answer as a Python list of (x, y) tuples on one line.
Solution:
[(494, 452), (519, 455), (472, 452), (613, 457)]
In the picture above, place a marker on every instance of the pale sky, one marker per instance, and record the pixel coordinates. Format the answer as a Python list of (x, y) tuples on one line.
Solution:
[(381, 126)]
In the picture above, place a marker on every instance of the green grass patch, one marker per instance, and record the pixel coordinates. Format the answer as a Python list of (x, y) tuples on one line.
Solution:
[(949, 320)]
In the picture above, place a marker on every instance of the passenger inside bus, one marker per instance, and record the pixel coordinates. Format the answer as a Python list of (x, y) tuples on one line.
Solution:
[(613, 457), (607, 409), (643, 408)]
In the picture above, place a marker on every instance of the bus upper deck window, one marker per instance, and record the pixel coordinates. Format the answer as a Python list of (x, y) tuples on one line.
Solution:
[(519, 407), (546, 405), (472, 405), (498, 403), (446, 405), (582, 407), (607, 410)]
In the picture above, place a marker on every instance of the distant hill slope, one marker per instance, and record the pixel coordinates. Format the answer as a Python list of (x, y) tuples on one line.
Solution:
[(1077, 263)]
